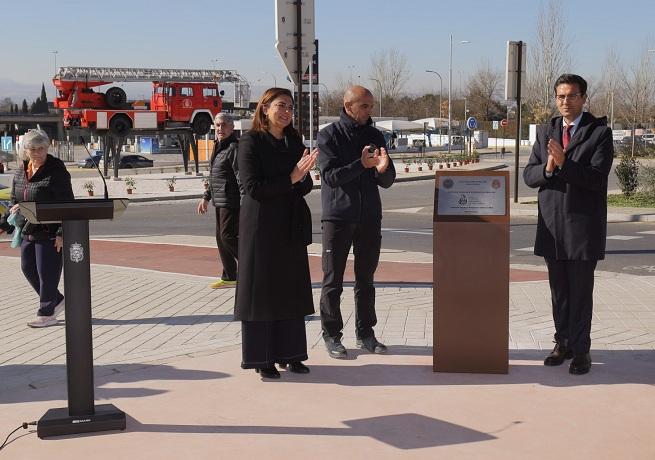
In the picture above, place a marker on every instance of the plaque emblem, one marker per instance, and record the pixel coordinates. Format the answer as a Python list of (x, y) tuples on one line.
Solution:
[(77, 252)]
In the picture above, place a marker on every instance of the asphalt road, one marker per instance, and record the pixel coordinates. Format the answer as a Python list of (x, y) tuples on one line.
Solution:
[(407, 225)]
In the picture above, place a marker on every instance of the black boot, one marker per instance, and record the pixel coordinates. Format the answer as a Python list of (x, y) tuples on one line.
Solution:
[(268, 372), (559, 354)]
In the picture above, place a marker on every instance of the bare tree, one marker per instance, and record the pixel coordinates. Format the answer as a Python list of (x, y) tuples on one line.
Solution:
[(390, 72), (549, 58), (483, 90), (637, 87)]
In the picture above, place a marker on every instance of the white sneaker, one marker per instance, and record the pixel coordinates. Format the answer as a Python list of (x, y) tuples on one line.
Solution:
[(43, 321), (59, 308)]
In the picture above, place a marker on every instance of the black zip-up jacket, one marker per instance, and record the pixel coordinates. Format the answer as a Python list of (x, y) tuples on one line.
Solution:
[(349, 192), (225, 189), (50, 183)]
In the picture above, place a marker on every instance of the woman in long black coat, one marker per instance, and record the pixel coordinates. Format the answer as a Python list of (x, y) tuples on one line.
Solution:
[(274, 287)]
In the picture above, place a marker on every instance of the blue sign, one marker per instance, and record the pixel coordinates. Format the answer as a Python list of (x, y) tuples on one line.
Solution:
[(149, 145), (471, 123), (7, 143)]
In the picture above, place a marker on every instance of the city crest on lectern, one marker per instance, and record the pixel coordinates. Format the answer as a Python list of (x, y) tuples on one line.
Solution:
[(77, 252)]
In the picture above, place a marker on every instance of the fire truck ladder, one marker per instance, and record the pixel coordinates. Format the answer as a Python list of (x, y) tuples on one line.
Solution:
[(133, 74)]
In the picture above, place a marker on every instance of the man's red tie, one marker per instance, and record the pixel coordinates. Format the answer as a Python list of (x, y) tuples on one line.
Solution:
[(566, 136)]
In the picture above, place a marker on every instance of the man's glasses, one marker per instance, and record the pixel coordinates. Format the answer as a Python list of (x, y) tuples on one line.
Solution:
[(570, 97)]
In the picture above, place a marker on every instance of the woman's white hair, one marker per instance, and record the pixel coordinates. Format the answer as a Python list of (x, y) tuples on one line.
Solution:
[(33, 139)]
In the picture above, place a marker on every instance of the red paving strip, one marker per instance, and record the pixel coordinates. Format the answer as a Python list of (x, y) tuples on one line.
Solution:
[(192, 260)]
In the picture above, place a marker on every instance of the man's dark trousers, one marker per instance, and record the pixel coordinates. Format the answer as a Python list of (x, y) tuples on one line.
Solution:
[(227, 240), (338, 237), (572, 289)]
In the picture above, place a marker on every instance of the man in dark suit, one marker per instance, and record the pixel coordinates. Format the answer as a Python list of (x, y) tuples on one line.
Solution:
[(570, 162)]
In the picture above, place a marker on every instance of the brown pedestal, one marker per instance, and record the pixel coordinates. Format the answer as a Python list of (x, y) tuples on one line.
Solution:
[(471, 287)]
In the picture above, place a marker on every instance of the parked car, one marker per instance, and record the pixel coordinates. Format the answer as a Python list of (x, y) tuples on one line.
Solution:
[(648, 138), (89, 162), (5, 196), (134, 161)]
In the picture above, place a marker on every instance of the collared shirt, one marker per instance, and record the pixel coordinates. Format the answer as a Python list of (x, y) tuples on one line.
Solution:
[(574, 124)]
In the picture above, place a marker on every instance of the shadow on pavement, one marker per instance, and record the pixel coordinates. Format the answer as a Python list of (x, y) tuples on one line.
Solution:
[(614, 367), (103, 374), (181, 320), (403, 431)]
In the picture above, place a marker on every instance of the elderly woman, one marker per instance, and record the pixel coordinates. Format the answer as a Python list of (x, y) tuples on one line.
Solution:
[(274, 293), (225, 194), (43, 178)]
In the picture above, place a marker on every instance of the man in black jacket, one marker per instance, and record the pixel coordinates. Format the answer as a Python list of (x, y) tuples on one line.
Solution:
[(570, 162), (353, 164), (225, 192)]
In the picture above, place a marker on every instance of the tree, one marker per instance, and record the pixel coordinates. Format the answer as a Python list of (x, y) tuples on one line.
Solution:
[(15, 108), (389, 72), (549, 59), (483, 91), (6, 105), (25, 109)]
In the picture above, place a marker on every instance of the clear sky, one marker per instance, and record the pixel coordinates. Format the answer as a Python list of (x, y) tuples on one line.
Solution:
[(240, 35)]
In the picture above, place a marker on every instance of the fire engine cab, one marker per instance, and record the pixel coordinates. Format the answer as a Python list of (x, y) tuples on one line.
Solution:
[(181, 98)]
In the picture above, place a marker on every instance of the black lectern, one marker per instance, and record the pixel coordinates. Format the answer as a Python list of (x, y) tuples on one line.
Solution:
[(81, 415)]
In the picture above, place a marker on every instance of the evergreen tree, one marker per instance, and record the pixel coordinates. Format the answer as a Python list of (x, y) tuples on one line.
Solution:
[(24, 108), (15, 108), (43, 101), (34, 106)]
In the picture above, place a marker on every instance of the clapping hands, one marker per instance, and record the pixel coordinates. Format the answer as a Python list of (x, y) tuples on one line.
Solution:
[(306, 163), (379, 159)]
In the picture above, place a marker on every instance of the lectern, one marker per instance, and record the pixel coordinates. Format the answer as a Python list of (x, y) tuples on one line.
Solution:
[(471, 272), (81, 415)]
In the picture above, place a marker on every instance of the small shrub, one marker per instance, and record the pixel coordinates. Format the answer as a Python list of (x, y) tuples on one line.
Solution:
[(171, 182), (130, 182), (627, 172), (88, 186), (647, 180)]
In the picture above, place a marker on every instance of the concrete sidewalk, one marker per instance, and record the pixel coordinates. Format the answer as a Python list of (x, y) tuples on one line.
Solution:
[(167, 353)]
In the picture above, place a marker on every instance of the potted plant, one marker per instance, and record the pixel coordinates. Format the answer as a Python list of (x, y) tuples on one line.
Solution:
[(419, 163), (448, 159), (407, 161), (317, 172), (88, 186), (430, 162), (130, 184), (475, 156), (171, 183), (205, 183)]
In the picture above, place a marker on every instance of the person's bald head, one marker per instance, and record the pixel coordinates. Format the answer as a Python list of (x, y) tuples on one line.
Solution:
[(358, 103)]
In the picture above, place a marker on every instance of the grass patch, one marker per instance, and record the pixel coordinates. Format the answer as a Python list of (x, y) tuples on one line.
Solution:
[(638, 200)]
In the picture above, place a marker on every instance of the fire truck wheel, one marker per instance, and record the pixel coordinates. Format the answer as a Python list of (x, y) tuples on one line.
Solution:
[(120, 125), (201, 124), (115, 97)]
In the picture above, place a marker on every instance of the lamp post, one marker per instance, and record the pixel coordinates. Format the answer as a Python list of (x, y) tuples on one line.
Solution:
[(214, 63), (274, 79), (327, 92), (450, 89), (440, 87), (55, 54), (380, 87)]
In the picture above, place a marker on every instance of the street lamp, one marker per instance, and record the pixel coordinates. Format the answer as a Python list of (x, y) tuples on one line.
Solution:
[(55, 54), (440, 87), (450, 89), (379, 86), (214, 63), (327, 92)]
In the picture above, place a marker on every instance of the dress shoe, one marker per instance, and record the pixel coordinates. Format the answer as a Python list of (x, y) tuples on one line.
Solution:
[(335, 348), (371, 344), (298, 368), (581, 364), (268, 372), (559, 354)]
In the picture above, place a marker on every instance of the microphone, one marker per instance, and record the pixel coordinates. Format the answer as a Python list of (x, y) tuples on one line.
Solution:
[(97, 167)]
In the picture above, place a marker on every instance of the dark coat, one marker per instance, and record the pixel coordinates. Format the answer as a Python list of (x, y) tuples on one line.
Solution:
[(274, 225), (224, 186), (572, 221), (52, 182), (349, 192)]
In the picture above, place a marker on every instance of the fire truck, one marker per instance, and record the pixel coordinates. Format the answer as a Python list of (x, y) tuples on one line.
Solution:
[(181, 98)]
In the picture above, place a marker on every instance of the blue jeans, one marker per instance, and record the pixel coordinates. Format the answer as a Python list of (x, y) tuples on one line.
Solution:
[(41, 265)]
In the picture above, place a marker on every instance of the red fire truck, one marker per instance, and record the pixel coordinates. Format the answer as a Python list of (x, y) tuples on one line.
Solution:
[(180, 98)]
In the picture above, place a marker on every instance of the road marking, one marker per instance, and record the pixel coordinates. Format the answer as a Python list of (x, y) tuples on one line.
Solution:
[(406, 210), (530, 249), (411, 232), (623, 237), (648, 232)]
